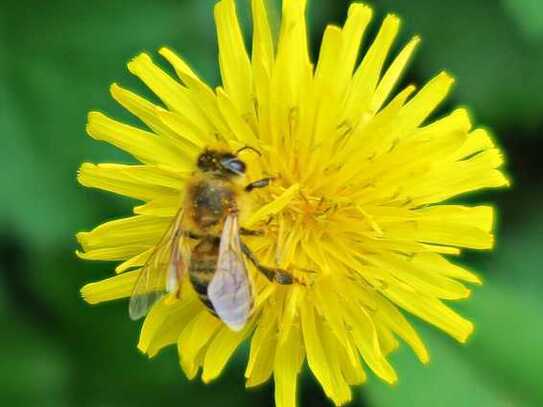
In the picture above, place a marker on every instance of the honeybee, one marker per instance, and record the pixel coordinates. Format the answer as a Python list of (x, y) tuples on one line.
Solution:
[(215, 261)]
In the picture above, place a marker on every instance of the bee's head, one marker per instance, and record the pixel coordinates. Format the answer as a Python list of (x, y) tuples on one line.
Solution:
[(221, 162)]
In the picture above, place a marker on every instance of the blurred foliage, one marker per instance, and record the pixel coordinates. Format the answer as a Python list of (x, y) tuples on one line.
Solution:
[(57, 60), (483, 46), (528, 15)]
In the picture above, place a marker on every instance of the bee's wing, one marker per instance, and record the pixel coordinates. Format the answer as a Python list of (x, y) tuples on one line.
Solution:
[(163, 271), (230, 290)]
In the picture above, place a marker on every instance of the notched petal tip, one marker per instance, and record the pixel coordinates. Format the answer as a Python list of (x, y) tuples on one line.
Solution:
[(94, 121), (166, 51), (94, 115), (136, 63), (86, 293), (391, 379), (80, 253), (446, 78), (425, 357), (178, 64), (114, 87), (359, 8), (392, 19), (416, 40), (464, 116), (477, 280), (143, 348), (490, 243), (82, 171), (468, 332), (116, 90)]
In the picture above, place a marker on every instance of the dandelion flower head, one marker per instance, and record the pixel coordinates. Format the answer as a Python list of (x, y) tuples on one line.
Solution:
[(354, 210)]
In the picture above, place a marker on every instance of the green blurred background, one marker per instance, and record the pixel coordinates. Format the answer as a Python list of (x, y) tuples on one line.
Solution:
[(57, 60)]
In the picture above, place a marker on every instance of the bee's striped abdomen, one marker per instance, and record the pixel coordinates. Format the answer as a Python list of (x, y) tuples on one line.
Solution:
[(202, 268)]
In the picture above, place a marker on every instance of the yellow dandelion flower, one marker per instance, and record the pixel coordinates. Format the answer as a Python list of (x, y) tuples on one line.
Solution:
[(352, 210)]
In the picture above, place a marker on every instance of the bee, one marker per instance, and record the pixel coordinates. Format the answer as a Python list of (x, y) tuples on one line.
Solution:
[(215, 261)]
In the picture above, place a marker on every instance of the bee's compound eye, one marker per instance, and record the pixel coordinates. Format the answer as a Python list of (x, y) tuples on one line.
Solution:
[(234, 165)]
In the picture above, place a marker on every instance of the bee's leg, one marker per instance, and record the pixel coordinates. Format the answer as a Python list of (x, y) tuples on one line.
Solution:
[(273, 274), (249, 232), (194, 236), (261, 183)]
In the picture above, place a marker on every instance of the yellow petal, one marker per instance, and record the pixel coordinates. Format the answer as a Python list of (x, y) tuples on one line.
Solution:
[(113, 253), (289, 357), (203, 96), (387, 340), (293, 42), (426, 100), (163, 207), (353, 373), (290, 310), (273, 207), (432, 311), (194, 340), (133, 262), (221, 349), (454, 178), (456, 121), (142, 182), (446, 268), (113, 288), (234, 62), (481, 217), (328, 305), (145, 146), (478, 140), (368, 139), (322, 359), (263, 345), (263, 49), (388, 314), (176, 123), (446, 225), (138, 230), (164, 324), (336, 353), (367, 75), (292, 76), (240, 129), (141, 108), (393, 74), (406, 160), (182, 69), (177, 97), (420, 276), (358, 18), (366, 339), (327, 99), (264, 104)]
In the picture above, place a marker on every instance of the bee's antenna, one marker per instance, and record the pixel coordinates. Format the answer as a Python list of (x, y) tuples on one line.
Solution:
[(249, 148)]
